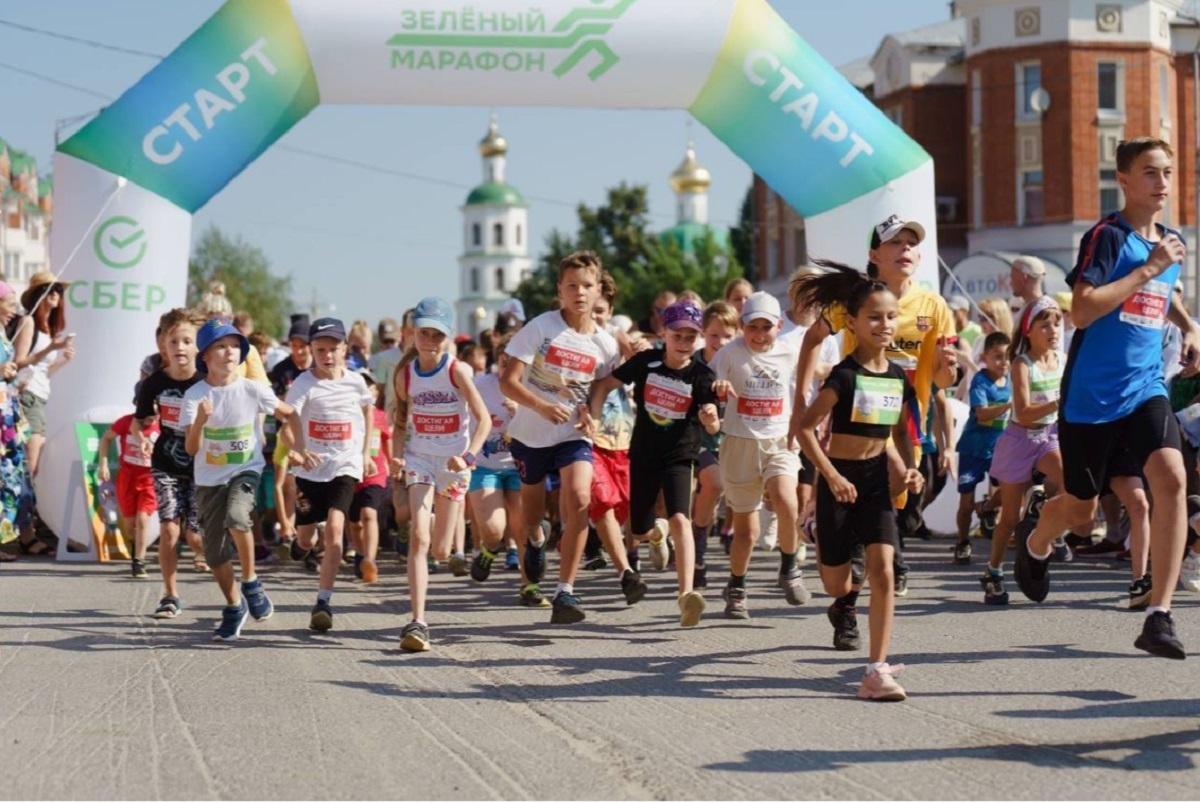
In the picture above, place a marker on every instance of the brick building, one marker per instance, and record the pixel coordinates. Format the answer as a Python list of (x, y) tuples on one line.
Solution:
[(1022, 103), (26, 207)]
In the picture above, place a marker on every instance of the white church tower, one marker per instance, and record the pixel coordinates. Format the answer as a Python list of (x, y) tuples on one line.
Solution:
[(495, 256)]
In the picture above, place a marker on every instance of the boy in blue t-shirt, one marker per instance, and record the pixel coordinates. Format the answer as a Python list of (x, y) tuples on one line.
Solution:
[(990, 396), (1113, 394)]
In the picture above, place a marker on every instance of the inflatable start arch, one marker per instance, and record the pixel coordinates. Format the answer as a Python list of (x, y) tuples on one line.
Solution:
[(128, 182)]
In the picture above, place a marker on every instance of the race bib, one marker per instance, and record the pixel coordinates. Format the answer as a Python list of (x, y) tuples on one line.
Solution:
[(760, 406), (667, 399), (228, 446), (1148, 306), (877, 400), (376, 442), (1045, 389), (570, 364), (330, 431), (169, 410), (131, 452), (426, 424)]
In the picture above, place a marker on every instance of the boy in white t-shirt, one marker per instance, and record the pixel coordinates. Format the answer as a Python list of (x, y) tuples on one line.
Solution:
[(755, 373), (221, 414), (556, 357), (329, 438)]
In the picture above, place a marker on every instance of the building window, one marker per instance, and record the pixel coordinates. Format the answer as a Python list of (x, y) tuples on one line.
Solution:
[(498, 234), (1029, 80), (1032, 197), (947, 208), (1110, 192), (500, 280), (1108, 78), (476, 234), (474, 280), (518, 234), (800, 246)]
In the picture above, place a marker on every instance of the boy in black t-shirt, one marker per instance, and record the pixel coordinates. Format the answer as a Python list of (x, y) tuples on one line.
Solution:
[(674, 399), (161, 396)]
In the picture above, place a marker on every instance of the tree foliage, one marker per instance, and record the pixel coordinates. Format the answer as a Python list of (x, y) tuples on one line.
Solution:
[(246, 272), (642, 264)]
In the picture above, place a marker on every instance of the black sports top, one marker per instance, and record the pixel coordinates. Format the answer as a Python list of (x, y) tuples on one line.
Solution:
[(868, 404)]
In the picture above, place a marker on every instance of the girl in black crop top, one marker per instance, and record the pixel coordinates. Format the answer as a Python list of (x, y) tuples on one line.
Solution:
[(866, 398)]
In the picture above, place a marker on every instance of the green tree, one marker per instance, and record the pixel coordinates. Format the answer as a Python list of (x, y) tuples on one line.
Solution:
[(246, 272), (741, 236), (619, 232)]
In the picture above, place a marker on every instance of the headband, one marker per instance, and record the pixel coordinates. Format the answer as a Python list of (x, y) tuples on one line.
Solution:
[(1034, 309)]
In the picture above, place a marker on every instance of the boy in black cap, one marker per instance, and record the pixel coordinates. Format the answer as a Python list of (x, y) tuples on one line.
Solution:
[(329, 441)]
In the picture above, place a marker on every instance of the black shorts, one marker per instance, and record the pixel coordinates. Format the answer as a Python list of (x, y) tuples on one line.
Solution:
[(369, 496), (1090, 452), (808, 471), (314, 500), (870, 520), (646, 479)]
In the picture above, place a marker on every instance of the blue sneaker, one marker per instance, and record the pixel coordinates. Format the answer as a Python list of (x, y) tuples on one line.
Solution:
[(260, 604), (535, 562), (232, 619), (512, 560)]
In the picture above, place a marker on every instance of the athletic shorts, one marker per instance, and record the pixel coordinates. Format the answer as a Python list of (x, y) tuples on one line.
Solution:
[(314, 500), (372, 497), (648, 478), (972, 470), (1090, 450), (224, 508), (431, 469), (707, 460), (495, 479), (176, 497), (135, 492), (534, 463), (1019, 450), (808, 472), (870, 520), (747, 464), (610, 485), (33, 407)]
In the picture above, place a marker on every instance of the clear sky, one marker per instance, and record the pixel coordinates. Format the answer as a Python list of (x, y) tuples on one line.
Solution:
[(398, 237)]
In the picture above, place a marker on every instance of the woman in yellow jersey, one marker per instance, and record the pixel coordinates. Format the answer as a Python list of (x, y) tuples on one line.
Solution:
[(923, 345)]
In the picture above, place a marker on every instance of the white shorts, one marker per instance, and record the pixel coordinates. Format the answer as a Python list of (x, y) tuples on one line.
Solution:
[(432, 469)]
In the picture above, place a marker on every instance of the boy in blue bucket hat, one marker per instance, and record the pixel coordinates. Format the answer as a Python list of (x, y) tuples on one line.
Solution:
[(220, 413)]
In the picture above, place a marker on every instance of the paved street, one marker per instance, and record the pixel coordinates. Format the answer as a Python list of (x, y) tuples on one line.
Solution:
[(1049, 701)]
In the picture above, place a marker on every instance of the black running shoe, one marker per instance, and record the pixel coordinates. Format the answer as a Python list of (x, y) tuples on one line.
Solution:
[(1033, 575), (1158, 637), (633, 587), (566, 609), (311, 562), (844, 619), (1139, 594), (358, 562), (1062, 551), (535, 562), (993, 589), (962, 553), (987, 523), (900, 584), (138, 568), (481, 565), (595, 564), (700, 577), (321, 618), (297, 552), (415, 637)]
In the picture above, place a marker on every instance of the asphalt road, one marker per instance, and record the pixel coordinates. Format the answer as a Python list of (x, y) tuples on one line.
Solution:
[(98, 700)]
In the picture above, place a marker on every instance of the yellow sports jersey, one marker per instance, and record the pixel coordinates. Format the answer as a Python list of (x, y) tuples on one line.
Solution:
[(924, 317)]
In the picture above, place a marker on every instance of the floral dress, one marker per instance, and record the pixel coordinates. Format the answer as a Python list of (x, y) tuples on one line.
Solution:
[(16, 489)]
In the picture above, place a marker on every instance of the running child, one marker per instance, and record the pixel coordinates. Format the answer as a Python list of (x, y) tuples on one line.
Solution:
[(329, 442), (135, 485), (1030, 441), (1113, 388), (160, 404), (434, 397), (556, 357), (221, 413), (754, 372), (990, 398), (370, 496), (674, 397), (864, 398)]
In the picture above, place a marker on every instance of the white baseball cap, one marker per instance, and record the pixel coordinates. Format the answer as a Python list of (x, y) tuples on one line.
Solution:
[(889, 228), (762, 305)]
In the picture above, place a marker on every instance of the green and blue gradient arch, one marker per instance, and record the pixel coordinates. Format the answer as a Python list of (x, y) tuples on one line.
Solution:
[(255, 68)]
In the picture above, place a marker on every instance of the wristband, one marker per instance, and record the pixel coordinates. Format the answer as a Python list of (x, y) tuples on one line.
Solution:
[(469, 459)]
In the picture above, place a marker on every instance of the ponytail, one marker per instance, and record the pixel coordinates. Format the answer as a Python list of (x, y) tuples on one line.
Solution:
[(839, 284)]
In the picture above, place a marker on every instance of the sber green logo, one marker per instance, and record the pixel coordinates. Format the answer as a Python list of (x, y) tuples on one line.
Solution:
[(466, 39), (120, 242)]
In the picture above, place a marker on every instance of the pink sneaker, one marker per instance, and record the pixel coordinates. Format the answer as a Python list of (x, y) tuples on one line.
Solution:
[(881, 685)]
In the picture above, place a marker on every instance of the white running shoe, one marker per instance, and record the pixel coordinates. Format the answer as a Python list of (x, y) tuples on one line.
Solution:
[(660, 554), (1189, 573)]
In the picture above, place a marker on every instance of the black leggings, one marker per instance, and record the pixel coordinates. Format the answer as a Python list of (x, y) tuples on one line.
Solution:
[(646, 479)]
